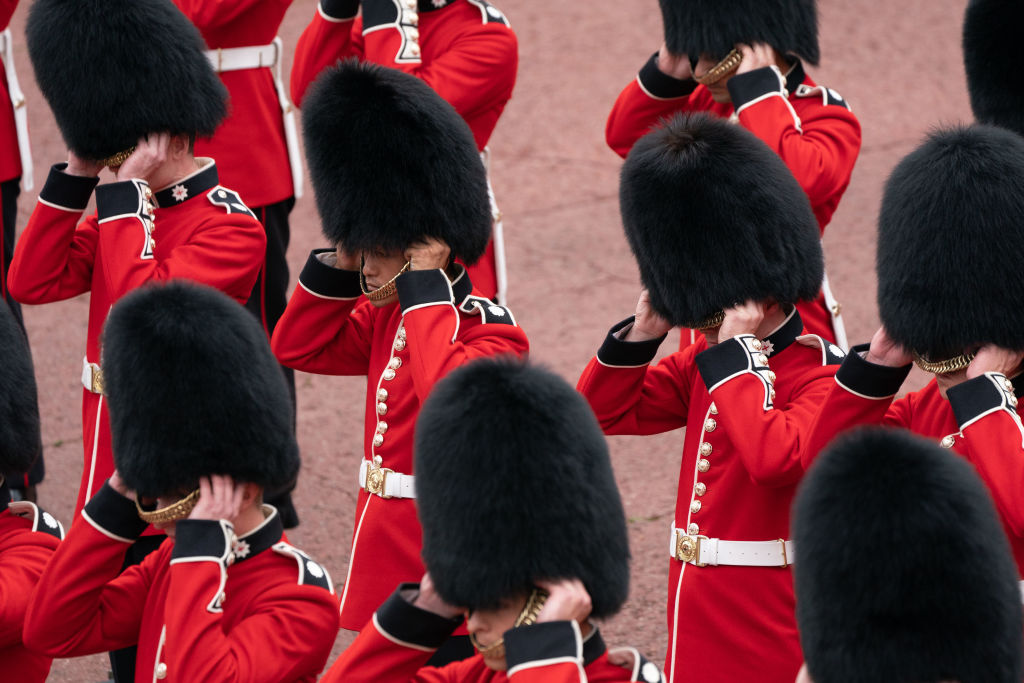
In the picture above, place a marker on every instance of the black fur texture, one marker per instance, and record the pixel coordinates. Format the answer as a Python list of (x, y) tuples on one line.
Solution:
[(194, 390), (951, 243), (514, 485), (713, 27), (116, 70), (715, 218), (903, 572), (19, 409), (994, 81), (391, 163)]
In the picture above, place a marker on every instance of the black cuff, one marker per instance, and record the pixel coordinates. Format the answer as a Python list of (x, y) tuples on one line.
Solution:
[(619, 353), (67, 191), (549, 640), (731, 357), (975, 397), (119, 199), (339, 9), (660, 84), (868, 379), (115, 513), (747, 87), (408, 623), (201, 538), (325, 280), (421, 287)]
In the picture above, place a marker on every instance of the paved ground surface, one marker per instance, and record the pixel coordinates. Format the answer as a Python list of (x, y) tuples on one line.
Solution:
[(572, 276)]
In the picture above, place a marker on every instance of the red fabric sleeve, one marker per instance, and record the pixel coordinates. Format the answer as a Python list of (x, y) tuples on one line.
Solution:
[(325, 336), (994, 444), (53, 259), (374, 658), (321, 44), (207, 14), (21, 566)]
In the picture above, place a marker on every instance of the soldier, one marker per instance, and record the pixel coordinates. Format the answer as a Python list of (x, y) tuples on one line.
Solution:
[(497, 438), (950, 238), (744, 60), (247, 56), (226, 597), (878, 596), (401, 193), (28, 536), (463, 49), (746, 390)]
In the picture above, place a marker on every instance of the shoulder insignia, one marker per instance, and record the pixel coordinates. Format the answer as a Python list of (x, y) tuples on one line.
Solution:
[(311, 573), (828, 95), (830, 353), (642, 670), (489, 311), (490, 13), (228, 200), (42, 521)]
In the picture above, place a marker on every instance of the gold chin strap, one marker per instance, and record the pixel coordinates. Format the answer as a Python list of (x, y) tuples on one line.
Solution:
[(943, 367), (528, 617), (171, 513), (711, 322), (386, 290), (117, 159), (718, 71)]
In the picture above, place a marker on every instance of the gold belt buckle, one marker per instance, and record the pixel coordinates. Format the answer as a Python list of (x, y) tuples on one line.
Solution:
[(376, 479), (688, 548), (97, 379)]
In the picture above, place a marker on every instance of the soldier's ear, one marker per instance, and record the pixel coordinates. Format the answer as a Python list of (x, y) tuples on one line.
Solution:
[(180, 146), (251, 493)]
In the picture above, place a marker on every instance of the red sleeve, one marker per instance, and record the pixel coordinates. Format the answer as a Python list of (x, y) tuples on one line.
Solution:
[(81, 604), (208, 14), (322, 43), (7, 8), (21, 565), (287, 634), (628, 395)]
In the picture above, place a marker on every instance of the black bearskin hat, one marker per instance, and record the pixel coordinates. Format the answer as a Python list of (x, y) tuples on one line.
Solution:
[(994, 81), (951, 243), (391, 163), (713, 27), (715, 218), (513, 485), (19, 410), (902, 569), (116, 70), (194, 390)]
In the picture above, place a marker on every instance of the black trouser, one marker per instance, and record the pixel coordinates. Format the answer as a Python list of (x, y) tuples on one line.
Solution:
[(9, 190), (122, 662), (267, 302)]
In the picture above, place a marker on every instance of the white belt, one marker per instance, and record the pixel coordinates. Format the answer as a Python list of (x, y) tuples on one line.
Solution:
[(497, 236), (92, 377), (835, 310), (268, 57), (385, 483), (20, 111), (703, 551)]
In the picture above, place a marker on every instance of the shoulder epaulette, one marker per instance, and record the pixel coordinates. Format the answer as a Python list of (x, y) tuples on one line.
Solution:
[(828, 95), (830, 353), (489, 311), (42, 521), (228, 200), (490, 13), (311, 573)]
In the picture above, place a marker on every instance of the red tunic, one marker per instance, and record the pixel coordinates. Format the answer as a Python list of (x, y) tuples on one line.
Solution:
[(737, 479), (209, 237), (981, 421), (28, 538), (395, 646), (10, 158), (810, 126), (207, 606), (249, 145), (403, 349), (464, 49)]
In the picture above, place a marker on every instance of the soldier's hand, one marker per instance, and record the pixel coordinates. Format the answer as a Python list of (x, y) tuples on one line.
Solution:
[(219, 498), (118, 485), (150, 153), (884, 351), (676, 66), (648, 324), (755, 56), (82, 167), (428, 254), (429, 600), (992, 358), (568, 600), (346, 260), (744, 318)]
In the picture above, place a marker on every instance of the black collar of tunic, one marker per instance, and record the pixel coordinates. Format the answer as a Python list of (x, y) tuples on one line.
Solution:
[(786, 333), (191, 186), (262, 537)]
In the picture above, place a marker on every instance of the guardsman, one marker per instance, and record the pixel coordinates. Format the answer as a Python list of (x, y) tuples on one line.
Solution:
[(28, 535), (744, 60), (256, 146), (387, 300), (727, 244), (464, 49), (878, 595), (226, 597), (950, 240), (523, 534)]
